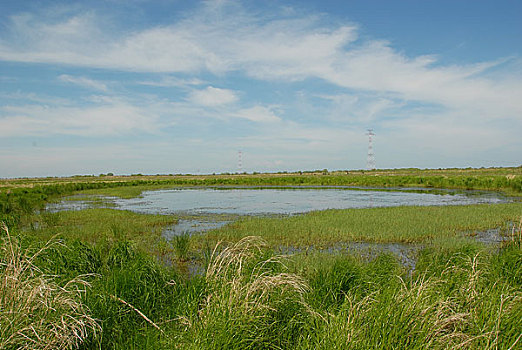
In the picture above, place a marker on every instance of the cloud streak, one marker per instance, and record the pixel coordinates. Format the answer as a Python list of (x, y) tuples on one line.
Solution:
[(84, 82), (213, 97), (96, 121)]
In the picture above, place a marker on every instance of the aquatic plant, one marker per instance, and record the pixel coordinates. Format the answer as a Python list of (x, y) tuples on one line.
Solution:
[(406, 224)]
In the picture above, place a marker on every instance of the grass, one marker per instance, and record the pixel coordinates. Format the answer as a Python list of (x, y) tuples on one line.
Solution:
[(250, 303), (458, 297), (461, 295), (36, 311), (181, 245), (101, 224), (397, 224)]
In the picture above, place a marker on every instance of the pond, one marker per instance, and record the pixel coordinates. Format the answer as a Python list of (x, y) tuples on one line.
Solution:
[(203, 209), (244, 201)]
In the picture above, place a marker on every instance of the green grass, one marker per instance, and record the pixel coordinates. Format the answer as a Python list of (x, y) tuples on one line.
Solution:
[(181, 245), (103, 225), (396, 224), (461, 295), (39, 311)]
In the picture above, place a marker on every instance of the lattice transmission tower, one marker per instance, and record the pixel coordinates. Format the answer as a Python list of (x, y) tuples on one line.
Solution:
[(239, 161), (370, 161)]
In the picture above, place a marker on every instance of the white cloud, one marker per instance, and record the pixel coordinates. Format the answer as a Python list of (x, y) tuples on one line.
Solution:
[(213, 97), (84, 82), (259, 114), (169, 81)]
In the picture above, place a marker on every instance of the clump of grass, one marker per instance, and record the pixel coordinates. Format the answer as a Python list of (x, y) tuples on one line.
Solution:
[(465, 301), (251, 302), (516, 234), (35, 311), (51, 219), (182, 246)]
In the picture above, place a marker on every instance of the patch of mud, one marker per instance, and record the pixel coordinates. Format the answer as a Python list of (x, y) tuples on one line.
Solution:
[(491, 236)]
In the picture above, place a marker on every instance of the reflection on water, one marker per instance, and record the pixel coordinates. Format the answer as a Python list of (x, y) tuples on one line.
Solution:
[(287, 201)]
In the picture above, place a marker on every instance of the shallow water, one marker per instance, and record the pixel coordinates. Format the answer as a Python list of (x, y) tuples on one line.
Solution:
[(288, 201), (190, 226)]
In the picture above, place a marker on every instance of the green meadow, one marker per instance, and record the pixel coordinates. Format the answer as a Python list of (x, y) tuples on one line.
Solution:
[(102, 278)]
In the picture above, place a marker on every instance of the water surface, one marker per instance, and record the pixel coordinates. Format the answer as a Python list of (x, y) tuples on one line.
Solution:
[(288, 201)]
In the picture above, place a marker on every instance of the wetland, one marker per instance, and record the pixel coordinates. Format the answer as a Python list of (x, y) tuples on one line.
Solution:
[(255, 261)]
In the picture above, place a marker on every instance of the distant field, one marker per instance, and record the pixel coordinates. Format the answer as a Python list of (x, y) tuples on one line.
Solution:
[(508, 180)]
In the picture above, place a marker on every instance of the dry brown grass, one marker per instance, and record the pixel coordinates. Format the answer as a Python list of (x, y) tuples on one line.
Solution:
[(36, 312)]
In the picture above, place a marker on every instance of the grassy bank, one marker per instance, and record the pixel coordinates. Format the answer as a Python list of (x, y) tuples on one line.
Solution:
[(102, 226)]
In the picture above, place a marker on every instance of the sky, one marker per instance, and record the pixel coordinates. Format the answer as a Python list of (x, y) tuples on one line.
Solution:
[(176, 86)]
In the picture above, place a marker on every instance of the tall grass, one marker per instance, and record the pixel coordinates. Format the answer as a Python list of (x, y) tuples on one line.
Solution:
[(251, 303), (458, 298), (181, 245), (35, 311), (460, 295)]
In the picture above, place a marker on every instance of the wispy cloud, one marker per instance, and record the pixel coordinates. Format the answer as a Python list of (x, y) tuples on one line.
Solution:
[(260, 114), (222, 37), (84, 82), (96, 121), (169, 81), (289, 86)]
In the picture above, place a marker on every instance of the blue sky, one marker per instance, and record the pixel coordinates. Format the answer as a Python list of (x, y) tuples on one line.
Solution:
[(172, 86)]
